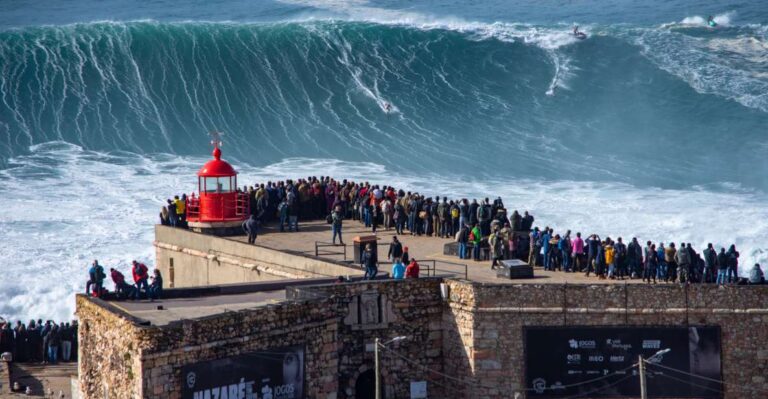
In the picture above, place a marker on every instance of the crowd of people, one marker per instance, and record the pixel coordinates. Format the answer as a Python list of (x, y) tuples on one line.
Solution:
[(483, 231), (613, 259), (144, 286), (36, 341)]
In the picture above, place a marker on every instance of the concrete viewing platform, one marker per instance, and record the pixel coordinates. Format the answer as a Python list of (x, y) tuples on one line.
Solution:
[(420, 248)]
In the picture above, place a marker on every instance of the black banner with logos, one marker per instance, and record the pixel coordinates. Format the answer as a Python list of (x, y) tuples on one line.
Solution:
[(273, 373), (597, 361)]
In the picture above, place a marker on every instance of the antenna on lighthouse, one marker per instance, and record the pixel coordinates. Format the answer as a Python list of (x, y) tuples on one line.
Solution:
[(216, 141), (216, 138)]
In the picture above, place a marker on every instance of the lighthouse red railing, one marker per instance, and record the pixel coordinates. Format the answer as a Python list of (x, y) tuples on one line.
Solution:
[(230, 207), (193, 207)]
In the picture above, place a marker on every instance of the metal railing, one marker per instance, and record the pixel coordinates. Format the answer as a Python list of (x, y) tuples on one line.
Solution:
[(321, 244), (429, 266)]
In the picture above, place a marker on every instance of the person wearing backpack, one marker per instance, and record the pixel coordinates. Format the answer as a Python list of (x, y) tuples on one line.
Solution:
[(336, 221), (722, 267), (476, 237), (140, 277), (455, 214), (399, 218), (484, 217), (442, 217), (497, 250), (96, 279), (534, 247), (462, 237), (464, 212)]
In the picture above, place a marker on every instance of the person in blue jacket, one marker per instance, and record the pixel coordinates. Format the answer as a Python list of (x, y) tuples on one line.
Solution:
[(398, 270), (545, 247)]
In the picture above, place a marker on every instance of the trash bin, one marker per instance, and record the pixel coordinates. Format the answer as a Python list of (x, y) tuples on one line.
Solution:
[(360, 242), (514, 269)]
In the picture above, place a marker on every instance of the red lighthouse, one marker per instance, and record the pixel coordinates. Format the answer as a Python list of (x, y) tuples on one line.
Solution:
[(220, 208)]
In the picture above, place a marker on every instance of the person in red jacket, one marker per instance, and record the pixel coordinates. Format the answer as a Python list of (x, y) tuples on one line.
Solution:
[(123, 289), (412, 271), (140, 277)]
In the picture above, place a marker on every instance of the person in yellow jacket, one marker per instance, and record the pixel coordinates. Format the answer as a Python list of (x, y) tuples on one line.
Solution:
[(610, 257), (180, 208)]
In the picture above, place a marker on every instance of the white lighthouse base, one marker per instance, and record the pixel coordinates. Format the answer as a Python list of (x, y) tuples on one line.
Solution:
[(226, 228)]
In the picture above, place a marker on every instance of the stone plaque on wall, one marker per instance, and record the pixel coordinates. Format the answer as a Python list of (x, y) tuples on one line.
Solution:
[(369, 310)]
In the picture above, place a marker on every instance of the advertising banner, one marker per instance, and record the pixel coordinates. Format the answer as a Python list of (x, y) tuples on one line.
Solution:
[(597, 361), (268, 374)]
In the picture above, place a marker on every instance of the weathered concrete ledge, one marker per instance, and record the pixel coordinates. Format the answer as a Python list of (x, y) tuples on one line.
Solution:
[(189, 259)]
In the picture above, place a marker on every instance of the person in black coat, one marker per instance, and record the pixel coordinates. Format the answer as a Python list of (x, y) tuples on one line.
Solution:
[(251, 227), (395, 249)]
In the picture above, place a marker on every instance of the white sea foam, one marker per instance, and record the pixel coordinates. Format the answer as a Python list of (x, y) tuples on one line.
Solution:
[(64, 207), (730, 67), (723, 19)]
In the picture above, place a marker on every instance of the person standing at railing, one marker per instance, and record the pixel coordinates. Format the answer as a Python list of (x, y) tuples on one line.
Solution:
[(368, 261), (398, 270), (412, 271), (395, 249), (173, 217), (180, 205), (336, 222)]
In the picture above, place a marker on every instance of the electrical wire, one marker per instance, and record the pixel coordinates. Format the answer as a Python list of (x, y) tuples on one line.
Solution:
[(600, 388), (734, 385), (487, 387), (688, 383)]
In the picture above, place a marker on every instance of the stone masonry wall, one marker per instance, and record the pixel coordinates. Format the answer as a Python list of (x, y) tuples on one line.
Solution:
[(108, 352), (470, 346), (415, 311), (314, 325), (496, 315)]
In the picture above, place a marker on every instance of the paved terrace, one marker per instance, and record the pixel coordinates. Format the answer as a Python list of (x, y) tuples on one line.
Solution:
[(422, 248), (201, 304), (164, 311)]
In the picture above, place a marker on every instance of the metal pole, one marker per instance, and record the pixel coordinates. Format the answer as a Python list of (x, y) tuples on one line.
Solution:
[(378, 372), (643, 392)]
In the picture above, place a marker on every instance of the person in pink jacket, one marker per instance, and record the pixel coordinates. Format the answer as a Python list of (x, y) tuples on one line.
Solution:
[(578, 249)]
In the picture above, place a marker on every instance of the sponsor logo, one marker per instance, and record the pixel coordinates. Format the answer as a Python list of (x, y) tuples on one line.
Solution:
[(592, 372), (539, 385), (574, 358), (651, 344), (575, 372), (617, 344), (596, 358), (583, 344), (616, 359), (191, 379)]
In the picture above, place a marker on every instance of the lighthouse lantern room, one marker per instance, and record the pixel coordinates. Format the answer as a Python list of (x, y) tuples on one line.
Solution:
[(219, 208)]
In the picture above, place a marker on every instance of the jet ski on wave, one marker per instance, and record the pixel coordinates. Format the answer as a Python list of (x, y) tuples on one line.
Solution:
[(579, 34)]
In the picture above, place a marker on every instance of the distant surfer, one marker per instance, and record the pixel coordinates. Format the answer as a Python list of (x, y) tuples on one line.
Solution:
[(387, 107), (579, 34), (711, 22)]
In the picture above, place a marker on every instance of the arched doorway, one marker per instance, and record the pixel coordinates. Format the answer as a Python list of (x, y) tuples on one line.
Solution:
[(365, 386)]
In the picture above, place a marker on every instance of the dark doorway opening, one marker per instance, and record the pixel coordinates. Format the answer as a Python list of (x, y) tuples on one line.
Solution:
[(365, 386)]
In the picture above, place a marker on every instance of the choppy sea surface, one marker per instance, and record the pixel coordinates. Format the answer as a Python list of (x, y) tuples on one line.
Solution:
[(655, 126)]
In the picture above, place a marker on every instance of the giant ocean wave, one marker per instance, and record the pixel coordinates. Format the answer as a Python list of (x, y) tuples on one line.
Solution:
[(526, 99)]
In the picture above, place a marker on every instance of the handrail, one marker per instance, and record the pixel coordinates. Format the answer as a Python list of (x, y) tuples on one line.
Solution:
[(434, 269), (321, 244)]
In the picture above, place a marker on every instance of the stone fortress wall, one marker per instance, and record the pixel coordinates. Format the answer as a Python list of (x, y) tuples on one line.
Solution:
[(474, 335)]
